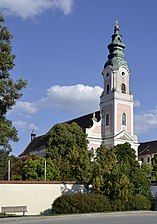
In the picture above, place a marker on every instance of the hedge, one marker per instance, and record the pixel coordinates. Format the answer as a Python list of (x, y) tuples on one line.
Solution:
[(81, 203), (89, 203)]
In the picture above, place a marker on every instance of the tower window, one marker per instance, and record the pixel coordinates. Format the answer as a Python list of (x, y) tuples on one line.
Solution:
[(123, 88), (123, 119), (107, 75), (107, 119), (107, 88)]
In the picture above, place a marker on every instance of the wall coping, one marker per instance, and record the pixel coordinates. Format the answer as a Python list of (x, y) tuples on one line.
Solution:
[(38, 182)]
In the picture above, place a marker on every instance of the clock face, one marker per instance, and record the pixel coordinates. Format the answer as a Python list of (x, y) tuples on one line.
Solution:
[(123, 72)]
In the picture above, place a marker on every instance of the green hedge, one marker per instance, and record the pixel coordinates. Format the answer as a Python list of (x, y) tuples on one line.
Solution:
[(81, 203), (138, 202), (88, 203)]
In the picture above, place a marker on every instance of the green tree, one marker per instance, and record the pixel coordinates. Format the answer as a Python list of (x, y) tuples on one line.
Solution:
[(4, 158), (66, 145), (9, 90), (117, 174), (137, 176), (102, 169), (3, 164), (33, 168), (154, 167)]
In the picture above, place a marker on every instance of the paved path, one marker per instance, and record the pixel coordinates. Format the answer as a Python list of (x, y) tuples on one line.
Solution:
[(109, 218)]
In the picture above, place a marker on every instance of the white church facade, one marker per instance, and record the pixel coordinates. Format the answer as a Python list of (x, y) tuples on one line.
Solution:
[(113, 124)]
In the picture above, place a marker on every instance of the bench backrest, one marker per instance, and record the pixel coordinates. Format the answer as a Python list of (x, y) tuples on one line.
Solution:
[(14, 209)]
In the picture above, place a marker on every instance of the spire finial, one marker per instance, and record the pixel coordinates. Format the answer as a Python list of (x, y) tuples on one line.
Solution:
[(116, 28), (33, 135)]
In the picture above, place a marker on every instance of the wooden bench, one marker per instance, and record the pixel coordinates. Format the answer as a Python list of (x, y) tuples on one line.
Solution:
[(14, 209)]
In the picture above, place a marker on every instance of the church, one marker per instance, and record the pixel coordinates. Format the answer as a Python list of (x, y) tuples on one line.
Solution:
[(113, 124)]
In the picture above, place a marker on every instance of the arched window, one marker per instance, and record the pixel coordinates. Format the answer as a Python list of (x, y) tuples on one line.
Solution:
[(123, 88), (107, 88), (123, 119), (107, 120)]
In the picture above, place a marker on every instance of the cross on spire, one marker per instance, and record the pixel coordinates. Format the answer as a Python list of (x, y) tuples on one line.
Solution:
[(116, 28)]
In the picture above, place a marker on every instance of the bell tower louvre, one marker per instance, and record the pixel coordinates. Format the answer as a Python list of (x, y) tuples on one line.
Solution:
[(116, 101)]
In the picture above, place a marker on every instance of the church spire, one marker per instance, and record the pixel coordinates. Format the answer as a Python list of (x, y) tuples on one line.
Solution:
[(116, 50), (116, 28)]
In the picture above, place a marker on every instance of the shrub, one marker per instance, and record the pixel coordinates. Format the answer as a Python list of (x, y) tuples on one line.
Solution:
[(118, 205), (81, 203), (138, 202)]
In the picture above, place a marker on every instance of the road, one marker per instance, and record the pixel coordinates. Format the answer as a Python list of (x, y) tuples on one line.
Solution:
[(109, 218)]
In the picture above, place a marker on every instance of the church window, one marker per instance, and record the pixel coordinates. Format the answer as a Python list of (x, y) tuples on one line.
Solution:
[(123, 119), (107, 88), (92, 150), (123, 88), (107, 119), (107, 75)]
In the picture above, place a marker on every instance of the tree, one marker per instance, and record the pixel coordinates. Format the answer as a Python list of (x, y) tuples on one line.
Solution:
[(4, 158), (9, 90), (154, 167), (33, 168), (66, 145), (117, 174), (138, 176), (3, 164)]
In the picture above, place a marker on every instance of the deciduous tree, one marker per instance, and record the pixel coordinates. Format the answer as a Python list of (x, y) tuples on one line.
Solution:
[(66, 145), (9, 90)]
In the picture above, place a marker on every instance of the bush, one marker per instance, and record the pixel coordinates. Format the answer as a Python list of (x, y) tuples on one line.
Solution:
[(138, 202), (88, 203), (118, 205), (81, 203)]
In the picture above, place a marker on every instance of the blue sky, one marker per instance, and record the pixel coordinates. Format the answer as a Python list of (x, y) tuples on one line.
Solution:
[(61, 47)]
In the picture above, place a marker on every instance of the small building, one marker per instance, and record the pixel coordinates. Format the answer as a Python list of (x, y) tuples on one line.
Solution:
[(147, 151)]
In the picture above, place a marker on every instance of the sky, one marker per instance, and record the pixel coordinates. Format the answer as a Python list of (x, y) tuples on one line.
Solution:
[(61, 48)]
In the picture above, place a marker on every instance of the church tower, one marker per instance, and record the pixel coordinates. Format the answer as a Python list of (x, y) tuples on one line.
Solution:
[(116, 101)]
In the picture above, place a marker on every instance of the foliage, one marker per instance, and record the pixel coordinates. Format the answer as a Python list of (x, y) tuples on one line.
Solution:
[(66, 146), (3, 164), (33, 168), (89, 202), (4, 158), (9, 90), (81, 203), (137, 176), (117, 174), (138, 202), (118, 205), (154, 167)]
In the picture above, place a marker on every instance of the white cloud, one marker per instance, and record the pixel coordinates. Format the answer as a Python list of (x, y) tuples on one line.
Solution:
[(137, 103), (25, 107), (78, 98), (24, 126), (31, 8), (146, 121)]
